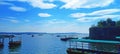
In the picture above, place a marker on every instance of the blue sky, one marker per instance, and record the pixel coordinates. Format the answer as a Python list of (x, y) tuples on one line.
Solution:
[(55, 15)]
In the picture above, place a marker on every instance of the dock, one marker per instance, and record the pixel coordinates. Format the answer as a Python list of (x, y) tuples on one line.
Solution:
[(83, 50), (2, 37), (66, 38), (1, 42), (12, 42)]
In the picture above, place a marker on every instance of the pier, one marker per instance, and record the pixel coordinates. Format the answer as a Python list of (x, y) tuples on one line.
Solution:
[(12, 42), (81, 49), (66, 38), (1, 42)]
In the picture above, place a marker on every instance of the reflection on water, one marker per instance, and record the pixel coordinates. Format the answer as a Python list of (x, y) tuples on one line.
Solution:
[(1, 49), (6, 49), (15, 49), (104, 47)]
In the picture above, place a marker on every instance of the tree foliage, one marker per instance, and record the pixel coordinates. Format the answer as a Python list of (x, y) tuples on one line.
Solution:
[(108, 23), (118, 23), (101, 23)]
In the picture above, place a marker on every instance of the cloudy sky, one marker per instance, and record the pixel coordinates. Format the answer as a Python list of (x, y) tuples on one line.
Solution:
[(55, 15)]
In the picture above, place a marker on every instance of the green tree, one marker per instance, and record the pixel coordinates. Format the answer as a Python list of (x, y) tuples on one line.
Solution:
[(118, 23), (110, 22), (107, 23), (101, 23)]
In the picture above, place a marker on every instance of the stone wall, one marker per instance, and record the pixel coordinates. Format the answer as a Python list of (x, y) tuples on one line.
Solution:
[(107, 33)]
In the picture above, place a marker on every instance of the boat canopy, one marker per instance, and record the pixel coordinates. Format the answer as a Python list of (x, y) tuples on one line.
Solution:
[(95, 41), (118, 37)]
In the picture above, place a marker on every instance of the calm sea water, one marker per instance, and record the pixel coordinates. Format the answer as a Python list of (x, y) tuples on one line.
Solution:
[(39, 44)]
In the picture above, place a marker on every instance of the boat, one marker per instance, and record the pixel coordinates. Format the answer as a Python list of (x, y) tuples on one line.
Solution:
[(58, 36), (68, 38), (32, 35)]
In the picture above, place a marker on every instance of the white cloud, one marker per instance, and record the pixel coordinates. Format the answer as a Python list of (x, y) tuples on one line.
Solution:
[(16, 8), (74, 4), (93, 18), (64, 27), (78, 15), (51, 22), (57, 25), (10, 20), (104, 12), (12, 6), (110, 16), (51, 0), (44, 15), (87, 19), (27, 20), (100, 14), (14, 21), (11, 17), (5, 3), (55, 21), (95, 13), (40, 4)]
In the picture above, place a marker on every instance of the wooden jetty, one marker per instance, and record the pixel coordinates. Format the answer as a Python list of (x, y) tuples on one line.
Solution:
[(65, 38), (1, 42), (68, 38), (82, 50), (2, 37), (13, 43)]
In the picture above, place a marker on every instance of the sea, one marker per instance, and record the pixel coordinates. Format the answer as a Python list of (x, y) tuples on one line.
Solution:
[(46, 43)]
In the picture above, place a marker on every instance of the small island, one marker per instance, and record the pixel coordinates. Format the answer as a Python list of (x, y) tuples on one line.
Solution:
[(105, 30)]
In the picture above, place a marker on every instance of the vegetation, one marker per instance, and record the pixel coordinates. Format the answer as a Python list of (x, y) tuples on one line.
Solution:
[(107, 23), (118, 23)]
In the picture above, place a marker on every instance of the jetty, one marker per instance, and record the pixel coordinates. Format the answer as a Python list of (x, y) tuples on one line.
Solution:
[(1, 42), (12, 42), (81, 49), (66, 38), (2, 37)]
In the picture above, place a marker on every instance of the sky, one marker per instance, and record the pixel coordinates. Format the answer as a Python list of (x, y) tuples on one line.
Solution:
[(54, 16)]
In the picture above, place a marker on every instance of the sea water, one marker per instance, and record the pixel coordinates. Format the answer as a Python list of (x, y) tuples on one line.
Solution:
[(38, 44)]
